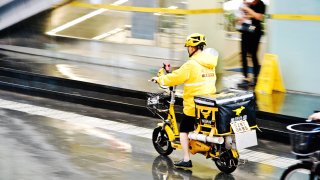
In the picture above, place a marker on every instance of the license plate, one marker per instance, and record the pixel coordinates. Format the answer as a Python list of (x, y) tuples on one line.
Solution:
[(246, 139), (240, 126)]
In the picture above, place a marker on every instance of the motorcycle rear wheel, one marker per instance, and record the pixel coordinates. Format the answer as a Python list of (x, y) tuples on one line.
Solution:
[(224, 164), (161, 142)]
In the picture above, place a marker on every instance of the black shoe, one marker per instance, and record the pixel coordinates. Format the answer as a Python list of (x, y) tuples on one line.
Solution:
[(244, 83), (182, 163)]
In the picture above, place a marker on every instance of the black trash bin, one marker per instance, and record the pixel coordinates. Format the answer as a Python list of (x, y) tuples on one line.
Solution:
[(304, 138)]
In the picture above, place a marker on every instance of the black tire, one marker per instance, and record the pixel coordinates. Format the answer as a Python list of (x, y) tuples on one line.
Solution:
[(290, 172), (161, 142), (224, 164)]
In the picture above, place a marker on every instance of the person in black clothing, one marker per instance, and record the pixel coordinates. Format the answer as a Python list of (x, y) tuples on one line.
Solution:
[(251, 33)]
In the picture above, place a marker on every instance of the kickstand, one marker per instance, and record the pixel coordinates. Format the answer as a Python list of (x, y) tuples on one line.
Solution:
[(242, 161)]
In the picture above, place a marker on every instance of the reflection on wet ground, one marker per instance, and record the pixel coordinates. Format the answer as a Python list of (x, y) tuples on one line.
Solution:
[(72, 146)]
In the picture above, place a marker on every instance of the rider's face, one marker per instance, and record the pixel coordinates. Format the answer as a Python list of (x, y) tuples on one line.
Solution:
[(190, 49)]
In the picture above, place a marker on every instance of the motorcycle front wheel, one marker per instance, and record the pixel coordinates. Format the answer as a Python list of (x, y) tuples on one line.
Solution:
[(161, 142), (299, 171)]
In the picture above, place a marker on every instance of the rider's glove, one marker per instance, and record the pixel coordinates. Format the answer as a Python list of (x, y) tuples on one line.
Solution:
[(155, 79)]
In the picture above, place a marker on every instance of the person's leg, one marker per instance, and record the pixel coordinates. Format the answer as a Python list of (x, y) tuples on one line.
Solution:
[(254, 51), (184, 140), (186, 125), (244, 52)]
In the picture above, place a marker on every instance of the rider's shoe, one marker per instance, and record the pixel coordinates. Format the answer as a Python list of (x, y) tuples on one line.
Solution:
[(182, 163)]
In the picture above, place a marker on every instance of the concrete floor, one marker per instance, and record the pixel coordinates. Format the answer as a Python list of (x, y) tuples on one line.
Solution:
[(47, 139)]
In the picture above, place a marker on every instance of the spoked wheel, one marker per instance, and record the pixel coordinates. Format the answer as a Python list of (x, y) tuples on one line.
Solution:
[(161, 142), (226, 162), (299, 171)]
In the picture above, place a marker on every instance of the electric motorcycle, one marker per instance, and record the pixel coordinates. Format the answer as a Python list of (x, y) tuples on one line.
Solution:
[(205, 140)]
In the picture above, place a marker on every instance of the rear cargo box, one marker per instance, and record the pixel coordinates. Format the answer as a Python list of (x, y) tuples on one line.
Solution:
[(227, 106)]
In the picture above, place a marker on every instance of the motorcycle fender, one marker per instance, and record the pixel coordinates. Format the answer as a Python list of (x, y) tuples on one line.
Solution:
[(168, 131), (234, 153)]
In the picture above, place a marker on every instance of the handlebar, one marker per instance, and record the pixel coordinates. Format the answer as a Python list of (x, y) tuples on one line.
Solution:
[(162, 87), (166, 68)]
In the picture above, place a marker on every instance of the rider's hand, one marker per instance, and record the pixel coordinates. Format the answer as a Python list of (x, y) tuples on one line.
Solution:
[(155, 79), (315, 116)]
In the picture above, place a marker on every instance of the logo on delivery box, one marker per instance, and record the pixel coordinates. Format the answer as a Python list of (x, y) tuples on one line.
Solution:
[(238, 112), (206, 114)]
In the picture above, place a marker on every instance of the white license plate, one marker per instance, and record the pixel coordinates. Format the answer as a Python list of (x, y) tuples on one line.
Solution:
[(240, 126), (246, 139)]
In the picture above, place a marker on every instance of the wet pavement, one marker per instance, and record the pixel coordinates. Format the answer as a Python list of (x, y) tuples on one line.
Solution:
[(46, 139)]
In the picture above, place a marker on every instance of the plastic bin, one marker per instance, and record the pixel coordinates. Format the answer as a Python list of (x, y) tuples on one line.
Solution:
[(304, 138)]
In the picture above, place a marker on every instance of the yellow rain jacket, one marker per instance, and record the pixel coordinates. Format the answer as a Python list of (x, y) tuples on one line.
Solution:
[(198, 76)]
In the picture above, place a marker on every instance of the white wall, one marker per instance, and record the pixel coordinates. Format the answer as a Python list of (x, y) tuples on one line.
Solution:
[(297, 44), (208, 24)]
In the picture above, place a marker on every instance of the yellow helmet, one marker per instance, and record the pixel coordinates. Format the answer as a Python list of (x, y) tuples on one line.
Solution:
[(195, 39)]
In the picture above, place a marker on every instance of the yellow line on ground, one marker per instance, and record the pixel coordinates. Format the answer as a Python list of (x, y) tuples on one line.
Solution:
[(148, 9), (299, 17)]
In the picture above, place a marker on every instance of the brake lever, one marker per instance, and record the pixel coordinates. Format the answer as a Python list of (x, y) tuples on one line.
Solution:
[(152, 80)]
